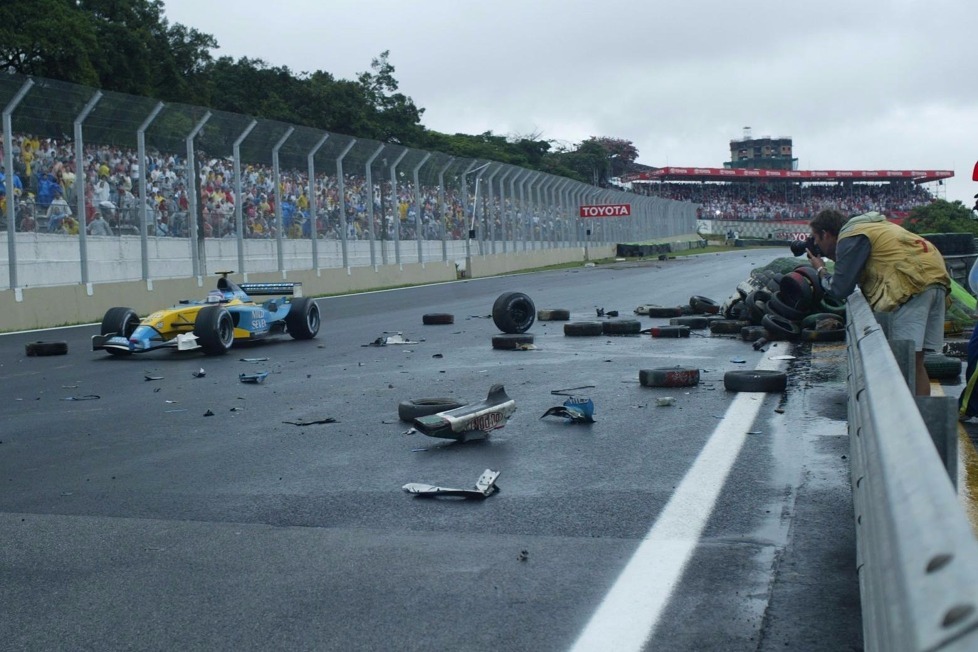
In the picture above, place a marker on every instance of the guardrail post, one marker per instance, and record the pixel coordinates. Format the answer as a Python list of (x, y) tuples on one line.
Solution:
[(940, 414)]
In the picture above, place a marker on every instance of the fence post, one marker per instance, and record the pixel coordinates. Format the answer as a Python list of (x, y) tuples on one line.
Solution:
[(276, 177), (193, 194), (143, 221), (418, 207), (80, 180), (8, 161)]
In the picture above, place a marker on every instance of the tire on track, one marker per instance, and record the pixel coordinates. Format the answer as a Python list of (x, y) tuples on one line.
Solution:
[(704, 305), (410, 409), (695, 322), (583, 328), (669, 377), (513, 312), (781, 328), (755, 380), (437, 318), (753, 333), (669, 331), (621, 327), (46, 348), (727, 326), (553, 314), (511, 341), (665, 311)]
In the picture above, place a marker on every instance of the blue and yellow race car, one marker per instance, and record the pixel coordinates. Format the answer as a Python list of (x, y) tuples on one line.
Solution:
[(226, 315)]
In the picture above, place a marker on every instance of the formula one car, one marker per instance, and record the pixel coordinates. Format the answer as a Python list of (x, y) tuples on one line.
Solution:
[(227, 315)]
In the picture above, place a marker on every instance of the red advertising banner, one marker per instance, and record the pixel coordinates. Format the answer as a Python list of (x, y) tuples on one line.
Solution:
[(606, 210)]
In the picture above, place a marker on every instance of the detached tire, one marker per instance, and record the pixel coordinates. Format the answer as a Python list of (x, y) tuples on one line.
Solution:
[(553, 314), (513, 312), (781, 327), (511, 341), (664, 311), (669, 331), (942, 367), (727, 326), (411, 409), (695, 322), (669, 377), (704, 305), (583, 328), (46, 348), (436, 318), (757, 380), (621, 327)]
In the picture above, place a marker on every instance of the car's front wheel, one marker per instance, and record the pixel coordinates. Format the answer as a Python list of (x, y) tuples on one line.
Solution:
[(119, 321), (214, 329)]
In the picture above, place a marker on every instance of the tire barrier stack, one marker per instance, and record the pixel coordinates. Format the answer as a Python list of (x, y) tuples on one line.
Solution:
[(789, 306), (917, 556)]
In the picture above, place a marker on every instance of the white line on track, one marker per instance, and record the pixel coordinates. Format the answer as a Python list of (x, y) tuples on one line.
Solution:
[(628, 615)]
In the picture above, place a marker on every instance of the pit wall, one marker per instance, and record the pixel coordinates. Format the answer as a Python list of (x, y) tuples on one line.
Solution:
[(50, 306)]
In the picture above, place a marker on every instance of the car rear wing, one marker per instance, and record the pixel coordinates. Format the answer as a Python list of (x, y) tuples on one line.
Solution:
[(271, 289)]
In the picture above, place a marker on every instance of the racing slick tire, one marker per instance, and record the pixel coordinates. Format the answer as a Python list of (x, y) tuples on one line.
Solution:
[(727, 326), (583, 328), (669, 377), (410, 409), (664, 311), (755, 380), (61, 348), (695, 322), (214, 329), (511, 341), (942, 367), (303, 319), (553, 314), (668, 331), (437, 318), (119, 321), (704, 305), (513, 312), (781, 327), (621, 327)]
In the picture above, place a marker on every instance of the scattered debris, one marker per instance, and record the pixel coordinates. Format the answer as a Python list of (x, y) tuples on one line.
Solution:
[(208, 414), (254, 359), (579, 409), (738, 360), (200, 373), (438, 355), (86, 397), (396, 338), (154, 377), (255, 378), (523, 556), (782, 357), (470, 422), (485, 486), (665, 401), (312, 422)]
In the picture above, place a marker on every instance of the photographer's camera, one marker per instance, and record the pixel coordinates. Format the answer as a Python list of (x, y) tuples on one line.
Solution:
[(799, 247)]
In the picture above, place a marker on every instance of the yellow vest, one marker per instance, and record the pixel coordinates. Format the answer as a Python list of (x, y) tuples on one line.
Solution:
[(901, 264)]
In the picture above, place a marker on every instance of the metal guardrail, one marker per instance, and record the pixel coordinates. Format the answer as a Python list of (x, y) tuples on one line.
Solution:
[(917, 557)]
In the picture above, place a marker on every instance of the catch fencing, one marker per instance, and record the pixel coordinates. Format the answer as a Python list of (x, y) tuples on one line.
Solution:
[(114, 187)]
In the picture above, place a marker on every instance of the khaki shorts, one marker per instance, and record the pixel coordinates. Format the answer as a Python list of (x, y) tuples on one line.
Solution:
[(921, 319)]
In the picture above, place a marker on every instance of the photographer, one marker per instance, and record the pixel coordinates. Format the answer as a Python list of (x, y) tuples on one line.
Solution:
[(898, 272)]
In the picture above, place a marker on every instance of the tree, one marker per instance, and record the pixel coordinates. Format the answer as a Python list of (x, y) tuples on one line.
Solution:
[(48, 38), (941, 216), (621, 153)]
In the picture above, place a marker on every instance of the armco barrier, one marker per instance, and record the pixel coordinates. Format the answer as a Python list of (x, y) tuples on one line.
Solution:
[(916, 554)]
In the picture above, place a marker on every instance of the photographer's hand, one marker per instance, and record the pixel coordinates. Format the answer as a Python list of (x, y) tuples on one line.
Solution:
[(816, 261)]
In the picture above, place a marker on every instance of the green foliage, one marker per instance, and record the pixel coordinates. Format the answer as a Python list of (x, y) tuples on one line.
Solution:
[(128, 46), (941, 216)]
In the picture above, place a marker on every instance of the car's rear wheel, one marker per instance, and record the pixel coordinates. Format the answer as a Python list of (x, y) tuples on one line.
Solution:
[(303, 320), (214, 329), (119, 321)]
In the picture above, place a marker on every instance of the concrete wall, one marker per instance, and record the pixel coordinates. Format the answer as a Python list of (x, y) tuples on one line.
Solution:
[(41, 307)]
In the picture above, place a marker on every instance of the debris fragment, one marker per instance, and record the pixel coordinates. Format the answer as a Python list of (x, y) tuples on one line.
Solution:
[(148, 377), (470, 422), (312, 422), (208, 414), (523, 556), (86, 397), (200, 373), (578, 409), (485, 486), (396, 338), (665, 401), (255, 378), (254, 359)]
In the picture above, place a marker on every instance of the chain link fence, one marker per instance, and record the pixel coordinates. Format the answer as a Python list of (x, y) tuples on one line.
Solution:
[(101, 186)]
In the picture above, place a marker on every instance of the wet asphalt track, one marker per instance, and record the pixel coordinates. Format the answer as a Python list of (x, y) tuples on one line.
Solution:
[(133, 521)]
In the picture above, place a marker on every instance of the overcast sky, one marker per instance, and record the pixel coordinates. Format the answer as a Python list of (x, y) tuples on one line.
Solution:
[(857, 84)]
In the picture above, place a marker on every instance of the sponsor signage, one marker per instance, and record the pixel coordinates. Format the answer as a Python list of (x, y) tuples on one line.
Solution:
[(606, 210)]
